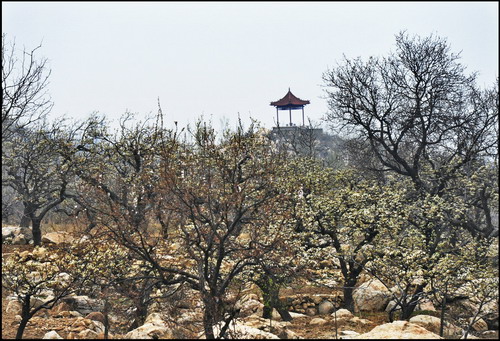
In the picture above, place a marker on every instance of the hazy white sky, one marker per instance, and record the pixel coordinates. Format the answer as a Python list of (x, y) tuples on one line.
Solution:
[(221, 59)]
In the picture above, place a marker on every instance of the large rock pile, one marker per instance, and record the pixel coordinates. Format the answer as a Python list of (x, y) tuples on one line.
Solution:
[(83, 304)]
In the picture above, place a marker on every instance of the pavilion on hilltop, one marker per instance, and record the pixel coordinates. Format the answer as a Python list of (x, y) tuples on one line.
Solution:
[(289, 102)]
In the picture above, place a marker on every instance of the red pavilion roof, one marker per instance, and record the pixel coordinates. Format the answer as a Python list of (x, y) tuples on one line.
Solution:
[(289, 100)]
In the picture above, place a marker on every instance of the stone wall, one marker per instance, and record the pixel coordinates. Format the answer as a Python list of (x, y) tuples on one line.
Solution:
[(314, 304)]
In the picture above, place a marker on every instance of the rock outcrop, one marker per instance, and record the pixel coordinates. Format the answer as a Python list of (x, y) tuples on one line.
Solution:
[(432, 324), (342, 315), (57, 238), (399, 330)]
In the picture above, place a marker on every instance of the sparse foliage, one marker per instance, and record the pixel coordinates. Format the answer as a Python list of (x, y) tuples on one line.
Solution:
[(24, 88)]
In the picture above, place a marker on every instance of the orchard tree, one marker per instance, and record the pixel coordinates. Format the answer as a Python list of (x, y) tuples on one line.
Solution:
[(118, 191), (423, 117), (37, 172), (423, 255), (226, 196), (465, 271), (118, 278), (215, 198), (342, 215), (41, 279), (25, 80)]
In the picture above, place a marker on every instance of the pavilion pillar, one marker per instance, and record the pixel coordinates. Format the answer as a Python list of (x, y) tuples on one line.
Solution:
[(303, 124), (277, 117), (290, 111)]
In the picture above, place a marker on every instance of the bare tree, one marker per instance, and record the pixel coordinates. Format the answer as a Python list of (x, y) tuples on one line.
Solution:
[(214, 198), (423, 117), (24, 88), (225, 193), (117, 190)]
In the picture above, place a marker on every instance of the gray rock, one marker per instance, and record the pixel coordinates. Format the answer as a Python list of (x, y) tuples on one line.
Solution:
[(398, 330), (348, 334), (326, 307), (9, 232), (84, 304), (318, 321), (13, 307), (342, 314), (432, 324), (88, 334), (96, 316)]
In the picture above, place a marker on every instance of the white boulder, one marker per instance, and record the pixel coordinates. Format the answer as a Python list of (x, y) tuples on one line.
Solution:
[(242, 331), (57, 238), (52, 335), (399, 330), (432, 324), (318, 321), (16, 235), (342, 314), (371, 296), (150, 331)]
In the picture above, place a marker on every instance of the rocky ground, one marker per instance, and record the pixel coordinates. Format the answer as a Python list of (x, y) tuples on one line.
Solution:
[(342, 325)]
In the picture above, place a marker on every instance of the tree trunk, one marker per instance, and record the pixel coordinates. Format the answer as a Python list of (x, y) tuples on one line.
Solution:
[(348, 299), (408, 309), (267, 311), (270, 294), (272, 300), (20, 329), (279, 305), (348, 291), (141, 312), (443, 308), (37, 233), (106, 318), (25, 317), (25, 219), (211, 315), (208, 323), (285, 314)]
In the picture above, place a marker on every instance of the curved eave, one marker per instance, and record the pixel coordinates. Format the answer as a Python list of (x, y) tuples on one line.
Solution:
[(289, 101)]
